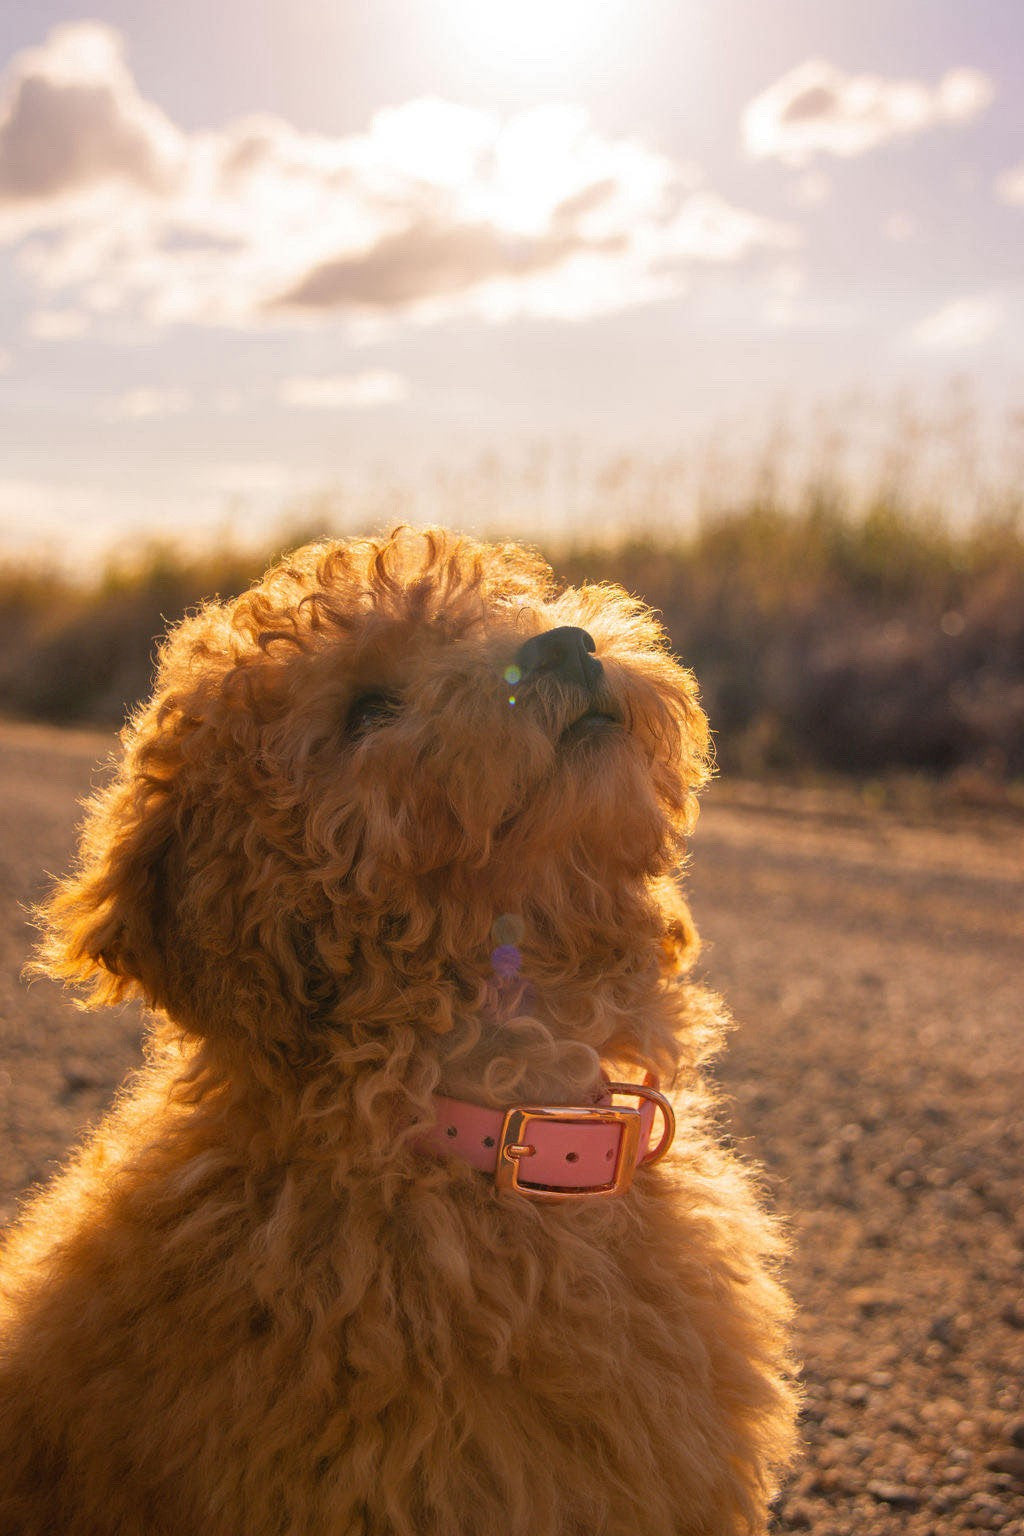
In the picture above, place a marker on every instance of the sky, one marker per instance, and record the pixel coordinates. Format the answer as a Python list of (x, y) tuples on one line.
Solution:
[(519, 261)]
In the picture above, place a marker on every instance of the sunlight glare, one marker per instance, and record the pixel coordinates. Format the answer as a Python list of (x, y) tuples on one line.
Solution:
[(534, 33)]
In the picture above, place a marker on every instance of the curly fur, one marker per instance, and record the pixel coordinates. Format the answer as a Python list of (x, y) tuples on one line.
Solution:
[(251, 1304)]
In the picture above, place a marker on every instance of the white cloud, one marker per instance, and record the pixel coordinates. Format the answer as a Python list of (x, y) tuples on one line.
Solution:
[(144, 403), (961, 324), (707, 228), (435, 209), (810, 190), (343, 391), (816, 109), (58, 324), (1010, 185)]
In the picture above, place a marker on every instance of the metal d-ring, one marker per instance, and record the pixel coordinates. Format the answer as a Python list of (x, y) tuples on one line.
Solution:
[(646, 1091)]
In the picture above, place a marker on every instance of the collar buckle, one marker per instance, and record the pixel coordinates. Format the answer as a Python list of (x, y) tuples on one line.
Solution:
[(515, 1148)]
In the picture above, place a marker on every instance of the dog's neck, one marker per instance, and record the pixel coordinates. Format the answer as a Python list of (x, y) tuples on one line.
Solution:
[(521, 1060), (527, 1047)]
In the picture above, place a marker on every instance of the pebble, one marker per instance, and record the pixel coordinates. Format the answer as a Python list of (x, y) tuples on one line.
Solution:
[(1010, 1461), (984, 1520), (949, 1326), (79, 1076), (1013, 1313), (985, 1501), (895, 1494), (872, 1300)]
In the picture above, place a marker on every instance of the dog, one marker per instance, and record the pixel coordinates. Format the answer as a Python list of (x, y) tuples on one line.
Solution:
[(374, 1245)]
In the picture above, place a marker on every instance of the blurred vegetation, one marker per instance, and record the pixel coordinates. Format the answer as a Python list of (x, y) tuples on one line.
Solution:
[(856, 645), (863, 643)]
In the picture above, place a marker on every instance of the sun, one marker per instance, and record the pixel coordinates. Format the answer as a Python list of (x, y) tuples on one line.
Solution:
[(524, 34)]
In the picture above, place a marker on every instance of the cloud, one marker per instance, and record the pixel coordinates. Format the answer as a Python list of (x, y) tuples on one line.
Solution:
[(1010, 185), (431, 261), (707, 228), (427, 260), (145, 403), (343, 391), (73, 119), (960, 324), (434, 210), (816, 109), (58, 324), (810, 190)]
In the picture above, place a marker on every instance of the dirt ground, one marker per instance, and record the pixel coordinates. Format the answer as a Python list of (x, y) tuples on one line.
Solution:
[(873, 963)]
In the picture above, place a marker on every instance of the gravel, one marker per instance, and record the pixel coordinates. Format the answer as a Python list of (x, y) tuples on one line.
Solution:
[(873, 963), (874, 966)]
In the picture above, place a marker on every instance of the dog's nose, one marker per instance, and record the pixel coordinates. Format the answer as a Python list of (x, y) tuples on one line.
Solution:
[(565, 652)]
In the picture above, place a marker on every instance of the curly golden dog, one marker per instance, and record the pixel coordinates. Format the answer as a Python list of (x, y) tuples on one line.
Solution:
[(374, 1246)]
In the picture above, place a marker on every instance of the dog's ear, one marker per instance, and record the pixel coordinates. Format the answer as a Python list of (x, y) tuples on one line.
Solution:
[(103, 925)]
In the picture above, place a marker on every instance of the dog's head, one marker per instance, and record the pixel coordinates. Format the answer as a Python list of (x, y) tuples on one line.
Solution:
[(398, 783)]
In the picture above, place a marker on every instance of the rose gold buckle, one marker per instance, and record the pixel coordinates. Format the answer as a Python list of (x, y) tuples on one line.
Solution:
[(515, 1147)]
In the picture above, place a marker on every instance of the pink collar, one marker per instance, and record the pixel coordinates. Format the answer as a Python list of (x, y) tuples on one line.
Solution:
[(556, 1151)]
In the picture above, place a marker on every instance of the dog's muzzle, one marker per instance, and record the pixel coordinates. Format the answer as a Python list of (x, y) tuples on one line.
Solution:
[(557, 1151)]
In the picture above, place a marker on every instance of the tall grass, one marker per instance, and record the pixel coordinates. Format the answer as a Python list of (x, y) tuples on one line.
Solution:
[(857, 644), (885, 639)]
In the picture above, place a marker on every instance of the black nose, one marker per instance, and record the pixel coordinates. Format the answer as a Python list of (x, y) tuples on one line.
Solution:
[(565, 652)]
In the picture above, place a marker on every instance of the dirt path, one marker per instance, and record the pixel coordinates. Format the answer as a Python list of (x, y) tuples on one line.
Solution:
[(875, 966)]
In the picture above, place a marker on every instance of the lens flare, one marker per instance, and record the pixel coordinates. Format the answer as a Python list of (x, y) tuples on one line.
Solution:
[(508, 928), (506, 962)]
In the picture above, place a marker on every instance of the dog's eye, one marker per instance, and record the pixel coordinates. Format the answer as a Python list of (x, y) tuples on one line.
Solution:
[(369, 710)]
